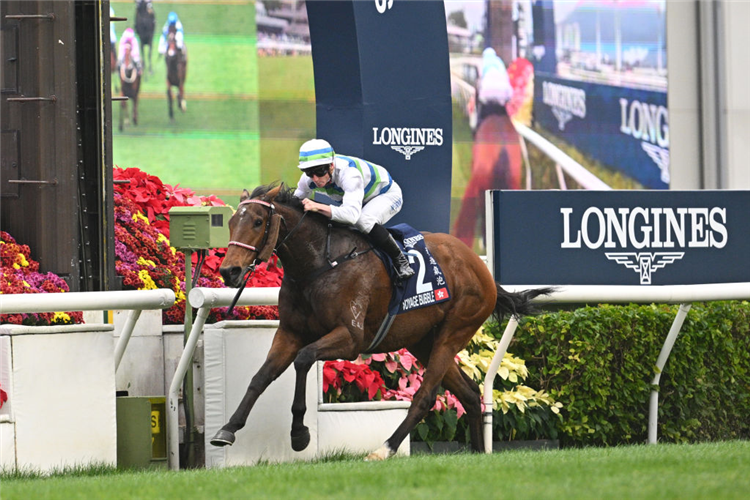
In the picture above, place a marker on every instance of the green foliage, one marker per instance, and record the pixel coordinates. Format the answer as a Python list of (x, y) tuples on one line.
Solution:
[(600, 362), (519, 412)]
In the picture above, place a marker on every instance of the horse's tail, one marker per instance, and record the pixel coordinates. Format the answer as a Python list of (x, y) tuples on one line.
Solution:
[(517, 304)]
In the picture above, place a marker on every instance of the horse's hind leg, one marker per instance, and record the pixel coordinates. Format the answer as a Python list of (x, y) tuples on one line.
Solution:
[(283, 350), (336, 345), (467, 392), (447, 345)]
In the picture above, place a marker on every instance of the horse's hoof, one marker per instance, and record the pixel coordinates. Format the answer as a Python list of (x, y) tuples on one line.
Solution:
[(380, 454), (183, 105), (301, 439), (223, 438)]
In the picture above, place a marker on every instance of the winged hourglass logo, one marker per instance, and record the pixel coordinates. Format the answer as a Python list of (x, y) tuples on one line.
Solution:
[(644, 263), (407, 151)]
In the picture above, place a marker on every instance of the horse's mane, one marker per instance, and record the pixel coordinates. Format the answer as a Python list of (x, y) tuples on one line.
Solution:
[(285, 196)]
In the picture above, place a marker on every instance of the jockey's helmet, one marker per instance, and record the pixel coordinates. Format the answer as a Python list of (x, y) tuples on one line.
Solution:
[(172, 18), (315, 152)]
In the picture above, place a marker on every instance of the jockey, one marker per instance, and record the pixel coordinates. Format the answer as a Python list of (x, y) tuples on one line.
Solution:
[(352, 191), (179, 38), (495, 89), (129, 40)]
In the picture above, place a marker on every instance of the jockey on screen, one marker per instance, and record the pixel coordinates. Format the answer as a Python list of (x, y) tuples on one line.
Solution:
[(495, 89), (129, 41), (172, 20), (352, 191)]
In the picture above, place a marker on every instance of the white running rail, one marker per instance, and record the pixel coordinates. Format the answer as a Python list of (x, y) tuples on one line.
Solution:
[(133, 300)]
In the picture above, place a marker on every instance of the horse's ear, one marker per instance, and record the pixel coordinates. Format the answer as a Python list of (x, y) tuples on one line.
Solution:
[(245, 195), (272, 194)]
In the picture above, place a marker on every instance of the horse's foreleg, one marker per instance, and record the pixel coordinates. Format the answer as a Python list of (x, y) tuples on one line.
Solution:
[(169, 100), (181, 97), (338, 344), (123, 113), (283, 351)]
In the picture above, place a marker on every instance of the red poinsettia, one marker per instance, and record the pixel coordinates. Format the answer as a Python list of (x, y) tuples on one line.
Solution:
[(145, 259)]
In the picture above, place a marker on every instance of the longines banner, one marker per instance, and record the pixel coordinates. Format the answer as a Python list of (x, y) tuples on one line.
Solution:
[(620, 237), (624, 128), (382, 91)]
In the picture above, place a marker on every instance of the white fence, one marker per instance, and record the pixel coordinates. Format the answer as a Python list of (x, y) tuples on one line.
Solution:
[(66, 371)]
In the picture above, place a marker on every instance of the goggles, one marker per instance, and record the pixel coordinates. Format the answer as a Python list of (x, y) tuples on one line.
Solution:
[(318, 171)]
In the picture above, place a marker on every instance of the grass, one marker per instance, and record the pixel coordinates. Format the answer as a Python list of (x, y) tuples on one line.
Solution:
[(713, 470)]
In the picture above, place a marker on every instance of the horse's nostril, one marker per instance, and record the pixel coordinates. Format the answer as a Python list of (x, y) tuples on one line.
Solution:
[(231, 275)]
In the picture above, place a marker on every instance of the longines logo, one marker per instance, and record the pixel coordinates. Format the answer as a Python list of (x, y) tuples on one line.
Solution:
[(672, 229), (383, 5), (649, 124), (407, 141), (566, 102)]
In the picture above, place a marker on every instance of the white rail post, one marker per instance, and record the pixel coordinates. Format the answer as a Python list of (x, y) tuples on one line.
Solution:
[(489, 380), (653, 410), (173, 421), (127, 330), (204, 299)]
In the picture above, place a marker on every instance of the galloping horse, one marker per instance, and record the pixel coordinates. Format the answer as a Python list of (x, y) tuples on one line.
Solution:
[(130, 85), (145, 24), (331, 313), (496, 164), (176, 60)]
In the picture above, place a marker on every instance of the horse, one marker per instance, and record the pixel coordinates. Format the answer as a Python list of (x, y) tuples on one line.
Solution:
[(496, 164), (130, 85), (333, 312), (145, 24), (176, 60)]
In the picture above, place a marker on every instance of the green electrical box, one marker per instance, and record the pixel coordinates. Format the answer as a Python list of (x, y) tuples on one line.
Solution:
[(141, 432), (197, 228)]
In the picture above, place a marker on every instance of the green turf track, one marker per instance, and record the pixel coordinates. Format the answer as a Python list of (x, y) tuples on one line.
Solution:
[(711, 471)]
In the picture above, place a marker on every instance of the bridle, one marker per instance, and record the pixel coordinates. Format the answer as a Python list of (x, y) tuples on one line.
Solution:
[(267, 248)]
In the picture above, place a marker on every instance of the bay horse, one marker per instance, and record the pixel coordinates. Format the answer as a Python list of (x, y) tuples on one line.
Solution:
[(176, 60), (329, 313), (145, 24), (130, 86), (496, 164)]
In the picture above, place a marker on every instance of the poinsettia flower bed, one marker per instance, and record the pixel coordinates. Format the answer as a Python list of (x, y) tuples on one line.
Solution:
[(145, 259), (519, 412), (20, 274)]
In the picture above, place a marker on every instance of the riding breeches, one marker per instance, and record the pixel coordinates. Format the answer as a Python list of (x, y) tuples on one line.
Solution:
[(380, 209)]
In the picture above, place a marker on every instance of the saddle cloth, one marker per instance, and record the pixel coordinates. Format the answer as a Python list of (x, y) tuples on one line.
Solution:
[(427, 287)]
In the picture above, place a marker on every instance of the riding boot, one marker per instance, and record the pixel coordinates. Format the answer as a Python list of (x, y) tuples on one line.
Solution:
[(383, 240)]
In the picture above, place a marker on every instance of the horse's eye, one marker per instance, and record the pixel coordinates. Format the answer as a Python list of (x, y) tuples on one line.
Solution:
[(258, 222)]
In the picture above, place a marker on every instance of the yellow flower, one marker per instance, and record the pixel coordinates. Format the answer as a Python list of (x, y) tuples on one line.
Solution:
[(144, 262), (161, 238), (62, 317), (22, 258), (16, 266), (139, 216), (26, 284), (148, 282)]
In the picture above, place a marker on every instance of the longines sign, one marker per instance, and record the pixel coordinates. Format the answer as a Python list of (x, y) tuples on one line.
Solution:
[(620, 237)]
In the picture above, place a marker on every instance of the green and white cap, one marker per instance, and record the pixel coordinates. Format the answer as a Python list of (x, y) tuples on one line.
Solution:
[(315, 152)]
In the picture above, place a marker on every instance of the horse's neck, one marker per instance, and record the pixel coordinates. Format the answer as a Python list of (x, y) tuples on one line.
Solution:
[(303, 243)]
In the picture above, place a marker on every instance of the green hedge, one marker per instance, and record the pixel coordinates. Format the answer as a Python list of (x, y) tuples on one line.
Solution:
[(600, 361)]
